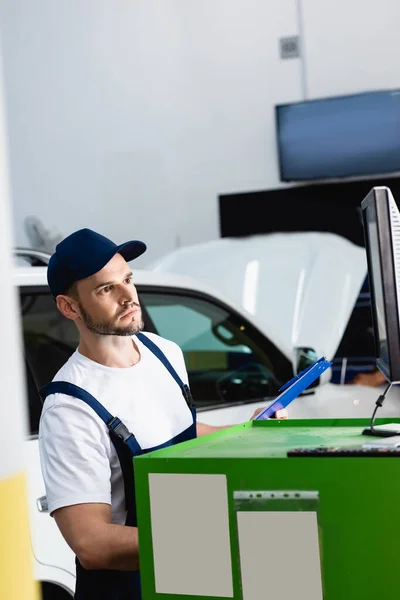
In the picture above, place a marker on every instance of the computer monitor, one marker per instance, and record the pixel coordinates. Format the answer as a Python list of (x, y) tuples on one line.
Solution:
[(381, 219)]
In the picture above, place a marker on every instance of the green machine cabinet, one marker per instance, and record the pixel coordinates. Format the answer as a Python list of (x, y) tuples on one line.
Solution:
[(229, 515)]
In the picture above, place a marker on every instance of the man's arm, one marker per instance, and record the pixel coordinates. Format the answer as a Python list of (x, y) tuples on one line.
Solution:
[(98, 543), (203, 429)]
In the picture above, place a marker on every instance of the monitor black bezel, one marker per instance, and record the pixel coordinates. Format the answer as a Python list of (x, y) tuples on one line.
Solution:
[(379, 199)]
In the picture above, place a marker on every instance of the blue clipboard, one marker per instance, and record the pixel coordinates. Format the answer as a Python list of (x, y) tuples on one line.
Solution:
[(294, 387)]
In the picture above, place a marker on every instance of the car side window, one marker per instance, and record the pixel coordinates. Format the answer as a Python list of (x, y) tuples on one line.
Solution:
[(227, 359), (49, 340)]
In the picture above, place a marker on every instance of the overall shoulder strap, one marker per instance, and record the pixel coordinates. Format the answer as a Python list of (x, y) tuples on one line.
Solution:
[(70, 389), (115, 426), (161, 356)]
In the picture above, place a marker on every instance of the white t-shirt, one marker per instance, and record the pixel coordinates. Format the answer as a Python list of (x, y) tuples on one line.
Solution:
[(79, 461)]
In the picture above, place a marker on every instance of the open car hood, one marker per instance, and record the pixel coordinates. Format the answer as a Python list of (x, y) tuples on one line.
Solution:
[(302, 287)]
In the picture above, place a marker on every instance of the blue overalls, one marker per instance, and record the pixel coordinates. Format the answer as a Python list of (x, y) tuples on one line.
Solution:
[(111, 584)]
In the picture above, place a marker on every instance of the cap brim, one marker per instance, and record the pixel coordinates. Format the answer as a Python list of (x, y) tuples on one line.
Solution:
[(131, 250)]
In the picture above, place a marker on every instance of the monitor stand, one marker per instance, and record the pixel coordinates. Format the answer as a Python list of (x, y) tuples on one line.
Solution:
[(387, 430), (382, 430)]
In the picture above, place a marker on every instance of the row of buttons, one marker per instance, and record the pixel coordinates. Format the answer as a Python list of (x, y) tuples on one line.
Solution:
[(341, 451)]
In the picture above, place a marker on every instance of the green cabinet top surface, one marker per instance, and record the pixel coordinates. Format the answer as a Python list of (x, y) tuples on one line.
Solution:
[(271, 439)]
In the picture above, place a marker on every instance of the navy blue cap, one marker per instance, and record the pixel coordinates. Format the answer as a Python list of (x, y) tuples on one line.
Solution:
[(82, 254)]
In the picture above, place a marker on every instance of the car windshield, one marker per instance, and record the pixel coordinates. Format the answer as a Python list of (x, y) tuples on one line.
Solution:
[(227, 359)]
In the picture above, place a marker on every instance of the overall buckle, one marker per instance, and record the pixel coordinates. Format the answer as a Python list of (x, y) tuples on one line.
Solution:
[(119, 429)]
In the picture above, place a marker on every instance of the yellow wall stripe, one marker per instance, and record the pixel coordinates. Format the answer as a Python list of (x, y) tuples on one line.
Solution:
[(16, 581)]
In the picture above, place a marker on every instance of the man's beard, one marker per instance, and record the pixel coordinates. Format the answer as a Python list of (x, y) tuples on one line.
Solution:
[(109, 327)]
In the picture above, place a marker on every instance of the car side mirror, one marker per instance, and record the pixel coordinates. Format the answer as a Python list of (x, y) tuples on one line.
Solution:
[(303, 358)]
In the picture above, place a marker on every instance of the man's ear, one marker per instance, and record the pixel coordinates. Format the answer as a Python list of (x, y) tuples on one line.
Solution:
[(68, 307)]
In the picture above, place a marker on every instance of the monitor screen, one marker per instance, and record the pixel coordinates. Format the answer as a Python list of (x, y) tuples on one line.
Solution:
[(346, 136), (381, 220)]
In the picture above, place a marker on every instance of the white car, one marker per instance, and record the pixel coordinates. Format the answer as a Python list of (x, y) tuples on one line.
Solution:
[(233, 367), (306, 289)]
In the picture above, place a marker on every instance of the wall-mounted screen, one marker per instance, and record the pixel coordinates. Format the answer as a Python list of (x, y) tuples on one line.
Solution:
[(346, 136)]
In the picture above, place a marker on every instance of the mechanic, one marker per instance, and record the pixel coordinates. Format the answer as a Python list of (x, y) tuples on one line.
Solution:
[(121, 394)]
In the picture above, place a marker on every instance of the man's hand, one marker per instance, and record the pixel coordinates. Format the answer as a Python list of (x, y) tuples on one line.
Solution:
[(280, 414)]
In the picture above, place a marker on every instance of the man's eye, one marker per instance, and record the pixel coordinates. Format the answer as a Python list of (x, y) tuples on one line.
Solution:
[(128, 280), (108, 288)]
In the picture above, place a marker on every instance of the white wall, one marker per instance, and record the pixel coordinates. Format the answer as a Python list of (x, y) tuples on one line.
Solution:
[(350, 45), (132, 116)]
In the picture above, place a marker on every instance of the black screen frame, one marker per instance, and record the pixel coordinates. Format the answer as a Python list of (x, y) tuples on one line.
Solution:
[(378, 200)]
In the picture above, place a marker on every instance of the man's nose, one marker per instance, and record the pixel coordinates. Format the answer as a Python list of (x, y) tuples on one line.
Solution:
[(127, 296)]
